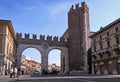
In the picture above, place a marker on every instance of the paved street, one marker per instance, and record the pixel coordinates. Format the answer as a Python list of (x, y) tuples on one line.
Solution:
[(81, 78)]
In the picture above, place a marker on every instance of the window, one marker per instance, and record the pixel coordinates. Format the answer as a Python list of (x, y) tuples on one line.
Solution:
[(117, 40), (109, 54), (118, 52), (101, 56), (100, 37), (94, 57), (116, 29), (108, 43), (94, 48), (107, 33), (94, 39), (100, 45)]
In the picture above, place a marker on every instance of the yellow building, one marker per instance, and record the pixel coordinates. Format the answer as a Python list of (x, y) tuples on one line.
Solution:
[(105, 45), (7, 46), (24, 63)]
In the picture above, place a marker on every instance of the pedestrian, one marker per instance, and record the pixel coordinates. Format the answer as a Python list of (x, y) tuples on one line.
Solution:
[(18, 72), (15, 71), (11, 72)]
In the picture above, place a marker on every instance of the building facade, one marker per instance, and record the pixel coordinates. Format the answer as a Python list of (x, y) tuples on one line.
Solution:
[(105, 45), (7, 46), (33, 65), (24, 63)]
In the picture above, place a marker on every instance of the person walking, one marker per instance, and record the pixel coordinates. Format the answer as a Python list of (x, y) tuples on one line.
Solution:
[(11, 72), (15, 71), (18, 72)]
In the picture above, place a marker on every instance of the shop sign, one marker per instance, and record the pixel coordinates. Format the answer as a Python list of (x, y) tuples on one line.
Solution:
[(101, 63)]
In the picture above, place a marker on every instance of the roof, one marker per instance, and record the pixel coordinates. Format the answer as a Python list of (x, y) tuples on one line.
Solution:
[(10, 26), (106, 27)]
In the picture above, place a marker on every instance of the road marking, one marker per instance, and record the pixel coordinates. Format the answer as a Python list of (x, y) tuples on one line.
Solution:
[(84, 80), (46, 81)]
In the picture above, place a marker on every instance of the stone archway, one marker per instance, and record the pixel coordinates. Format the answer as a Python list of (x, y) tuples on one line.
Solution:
[(44, 55), (44, 47)]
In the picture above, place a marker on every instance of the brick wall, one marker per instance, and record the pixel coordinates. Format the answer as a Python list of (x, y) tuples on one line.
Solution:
[(77, 28)]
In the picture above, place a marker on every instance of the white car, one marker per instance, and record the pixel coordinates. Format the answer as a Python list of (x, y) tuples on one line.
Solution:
[(35, 73)]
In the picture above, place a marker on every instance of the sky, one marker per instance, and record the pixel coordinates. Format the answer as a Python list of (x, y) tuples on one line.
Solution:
[(50, 17)]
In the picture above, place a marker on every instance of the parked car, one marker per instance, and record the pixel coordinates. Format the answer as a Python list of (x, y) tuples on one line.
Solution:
[(35, 73)]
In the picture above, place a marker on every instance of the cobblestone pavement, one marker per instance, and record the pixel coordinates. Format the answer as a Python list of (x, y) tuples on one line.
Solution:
[(80, 78)]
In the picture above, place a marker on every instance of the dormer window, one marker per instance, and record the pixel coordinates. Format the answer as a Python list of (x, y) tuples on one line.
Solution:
[(94, 40), (100, 45), (100, 37), (116, 29), (108, 33), (108, 44)]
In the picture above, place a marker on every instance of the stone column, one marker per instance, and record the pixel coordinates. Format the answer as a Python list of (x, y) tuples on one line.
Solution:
[(44, 62), (66, 64), (19, 54)]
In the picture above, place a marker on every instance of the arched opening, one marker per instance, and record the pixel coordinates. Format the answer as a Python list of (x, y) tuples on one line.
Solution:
[(30, 60), (54, 60)]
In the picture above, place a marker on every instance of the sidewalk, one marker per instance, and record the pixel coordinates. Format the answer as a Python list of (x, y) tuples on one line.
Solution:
[(7, 79)]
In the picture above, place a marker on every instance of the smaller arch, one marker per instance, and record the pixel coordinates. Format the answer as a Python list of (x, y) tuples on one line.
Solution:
[(62, 49), (64, 54), (54, 60)]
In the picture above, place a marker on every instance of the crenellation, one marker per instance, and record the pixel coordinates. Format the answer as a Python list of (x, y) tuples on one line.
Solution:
[(55, 39), (27, 36), (72, 7), (18, 35), (77, 6), (83, 5), (49, 38), (42, 37), (34, 36)]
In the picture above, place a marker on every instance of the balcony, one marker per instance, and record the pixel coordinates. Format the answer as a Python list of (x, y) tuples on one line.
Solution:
[(117, 46), (106, 49), (104, 59), (94, 53), (103, 50)]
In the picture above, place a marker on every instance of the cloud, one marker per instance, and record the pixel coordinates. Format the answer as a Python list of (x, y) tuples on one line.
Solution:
[(57, 9), (52, 10)]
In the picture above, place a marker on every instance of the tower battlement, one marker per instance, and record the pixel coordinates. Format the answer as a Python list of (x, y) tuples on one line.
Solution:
[(77, 7)]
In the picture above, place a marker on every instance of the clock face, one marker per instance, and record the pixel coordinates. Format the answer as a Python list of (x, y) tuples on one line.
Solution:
[(45, 45)]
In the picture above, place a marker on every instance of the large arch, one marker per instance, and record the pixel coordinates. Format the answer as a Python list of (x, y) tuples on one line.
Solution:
[(20, 50)]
